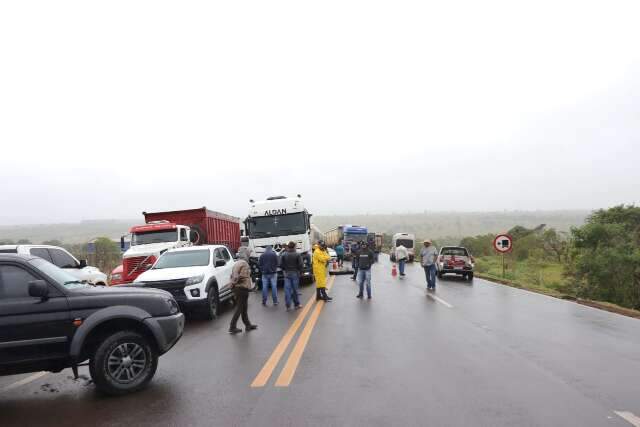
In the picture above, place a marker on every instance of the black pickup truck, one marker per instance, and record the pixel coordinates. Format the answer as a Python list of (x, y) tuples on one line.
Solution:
[(49, 321)]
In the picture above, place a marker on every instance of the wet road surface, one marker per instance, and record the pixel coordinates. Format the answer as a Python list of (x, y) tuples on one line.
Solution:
[(476, 354)]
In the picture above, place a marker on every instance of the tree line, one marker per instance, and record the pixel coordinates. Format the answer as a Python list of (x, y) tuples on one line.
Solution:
[(600, 259)]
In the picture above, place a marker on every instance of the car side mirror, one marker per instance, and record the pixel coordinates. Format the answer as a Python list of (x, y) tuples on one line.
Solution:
[(83, 263), (221, 263), (38, 289)]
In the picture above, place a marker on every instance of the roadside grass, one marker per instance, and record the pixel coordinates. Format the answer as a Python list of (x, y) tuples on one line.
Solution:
[(543, 277), (540, 276)]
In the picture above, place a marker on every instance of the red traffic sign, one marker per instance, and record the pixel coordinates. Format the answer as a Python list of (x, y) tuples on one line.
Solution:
[(503, 243)]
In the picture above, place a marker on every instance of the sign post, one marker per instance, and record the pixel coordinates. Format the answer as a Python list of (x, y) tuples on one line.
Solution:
[(503, 243)]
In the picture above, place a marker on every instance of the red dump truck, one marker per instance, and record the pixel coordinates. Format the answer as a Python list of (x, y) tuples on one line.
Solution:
[(174, 229)]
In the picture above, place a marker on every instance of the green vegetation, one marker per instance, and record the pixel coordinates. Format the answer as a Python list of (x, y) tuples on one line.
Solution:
[(597, 261)]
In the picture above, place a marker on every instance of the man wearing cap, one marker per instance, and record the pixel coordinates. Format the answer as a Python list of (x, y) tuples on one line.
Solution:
[(429, 254), (365, 258)]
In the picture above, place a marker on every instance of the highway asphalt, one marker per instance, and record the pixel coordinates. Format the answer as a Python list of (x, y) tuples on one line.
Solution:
[(477, 354)]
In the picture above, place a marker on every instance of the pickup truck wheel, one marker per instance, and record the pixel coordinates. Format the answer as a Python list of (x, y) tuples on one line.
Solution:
[(123, 363), (213, 302), (470, 276)]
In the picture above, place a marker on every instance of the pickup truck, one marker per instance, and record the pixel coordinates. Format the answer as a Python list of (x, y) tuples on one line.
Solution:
[(198, 277), (455, 260), (50, 321)]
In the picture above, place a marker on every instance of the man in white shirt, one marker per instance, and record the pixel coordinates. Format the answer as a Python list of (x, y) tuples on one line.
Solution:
[(401, 255)]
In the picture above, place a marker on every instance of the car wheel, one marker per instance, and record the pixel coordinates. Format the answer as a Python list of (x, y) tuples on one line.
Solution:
[(100, 284), (470, 276), (213, 302), (440, 275), (123, 363)]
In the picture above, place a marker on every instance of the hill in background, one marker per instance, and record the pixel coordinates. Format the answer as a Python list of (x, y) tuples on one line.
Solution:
[(435, 225)]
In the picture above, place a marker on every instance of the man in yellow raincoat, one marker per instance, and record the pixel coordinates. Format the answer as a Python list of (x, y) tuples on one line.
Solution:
[(321, 258)]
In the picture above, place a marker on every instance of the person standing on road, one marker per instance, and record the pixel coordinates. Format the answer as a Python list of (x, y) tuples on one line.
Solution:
[(366, 258), (340, 254), (401, 255), (355, 249), (240, 284), (429, 254), (268, 263), (320, 259), (291, 264)]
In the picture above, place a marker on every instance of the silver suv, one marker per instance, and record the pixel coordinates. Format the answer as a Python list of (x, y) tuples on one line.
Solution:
[(63, 259)]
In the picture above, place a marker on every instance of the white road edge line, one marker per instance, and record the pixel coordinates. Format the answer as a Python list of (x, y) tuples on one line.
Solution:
[(25, 381), (630, 417), (440, 300)]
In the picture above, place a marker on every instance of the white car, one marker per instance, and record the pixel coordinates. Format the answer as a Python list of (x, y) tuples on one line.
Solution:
[(63, 259), (198, 277)]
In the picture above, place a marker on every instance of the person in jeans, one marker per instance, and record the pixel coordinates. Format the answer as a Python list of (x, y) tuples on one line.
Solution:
[(401, 255), (240, 284), (355, 249), (366, 258), (268, 263), (291, 264), (429, 254)]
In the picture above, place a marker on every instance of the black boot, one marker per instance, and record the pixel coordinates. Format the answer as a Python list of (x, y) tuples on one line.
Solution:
[(319, 294), (324, 295)]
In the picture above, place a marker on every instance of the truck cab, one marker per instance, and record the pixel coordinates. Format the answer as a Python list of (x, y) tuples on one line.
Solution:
[(275, 222), (148, 242)]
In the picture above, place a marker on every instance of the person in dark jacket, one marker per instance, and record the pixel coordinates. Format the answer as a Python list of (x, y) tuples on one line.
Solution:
[(268, 263), (355, 249), (291, 264), (366, 258)]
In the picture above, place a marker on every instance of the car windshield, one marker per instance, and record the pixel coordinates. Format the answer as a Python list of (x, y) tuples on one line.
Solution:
[(58, 274), (407, 243), (183, 259), (154, 237), (277, 225), (454, 251)]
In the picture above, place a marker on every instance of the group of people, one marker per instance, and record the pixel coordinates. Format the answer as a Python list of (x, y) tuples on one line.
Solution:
[(291, 264)]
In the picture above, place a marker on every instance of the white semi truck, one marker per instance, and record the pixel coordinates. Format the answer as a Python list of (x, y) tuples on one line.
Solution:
[(275, 222)]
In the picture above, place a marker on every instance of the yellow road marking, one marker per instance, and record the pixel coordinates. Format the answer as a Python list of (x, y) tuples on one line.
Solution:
[(290, 367), (266, 371)]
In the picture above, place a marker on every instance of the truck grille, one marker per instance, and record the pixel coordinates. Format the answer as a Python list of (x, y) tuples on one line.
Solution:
[(132, 267), (174, 287)]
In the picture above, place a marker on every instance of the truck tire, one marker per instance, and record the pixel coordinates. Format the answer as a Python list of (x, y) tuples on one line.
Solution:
[(124, 362), (392, 257), (211, 309), (470, 276), (197, 236)]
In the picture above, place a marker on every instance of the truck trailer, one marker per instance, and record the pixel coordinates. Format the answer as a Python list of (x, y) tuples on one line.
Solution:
[(173, 229)]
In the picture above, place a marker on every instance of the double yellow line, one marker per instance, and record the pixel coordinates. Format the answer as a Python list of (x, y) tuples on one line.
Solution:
[(289, 370)]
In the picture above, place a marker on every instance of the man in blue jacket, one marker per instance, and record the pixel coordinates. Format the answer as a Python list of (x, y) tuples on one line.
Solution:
[(268, 263)]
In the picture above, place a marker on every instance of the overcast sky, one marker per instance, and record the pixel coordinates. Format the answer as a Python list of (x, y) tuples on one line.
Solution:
[(111, 108)]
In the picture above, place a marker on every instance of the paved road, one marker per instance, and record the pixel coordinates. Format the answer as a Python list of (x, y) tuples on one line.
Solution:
[(478, 354)]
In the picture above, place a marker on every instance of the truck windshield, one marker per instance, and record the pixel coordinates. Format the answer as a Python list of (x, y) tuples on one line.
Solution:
[(407, 243), (154, 237), (277, 225), (183, 259)]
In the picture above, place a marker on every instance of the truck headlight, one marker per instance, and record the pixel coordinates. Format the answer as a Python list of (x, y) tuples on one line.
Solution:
[(173, 306), (195, 279)]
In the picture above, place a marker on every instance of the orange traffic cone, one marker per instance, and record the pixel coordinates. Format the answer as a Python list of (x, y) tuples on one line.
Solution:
[(394, 271)]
